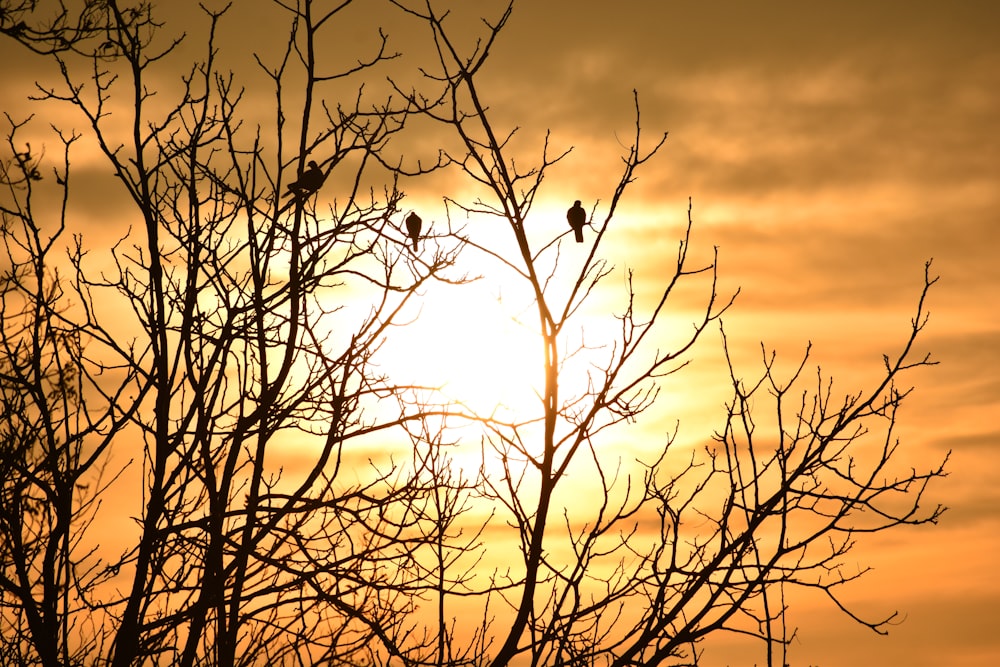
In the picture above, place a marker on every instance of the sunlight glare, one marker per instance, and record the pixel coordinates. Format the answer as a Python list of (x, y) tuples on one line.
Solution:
[(467, 341)]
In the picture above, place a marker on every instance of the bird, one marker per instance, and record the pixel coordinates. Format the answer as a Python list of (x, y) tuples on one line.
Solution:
[(577, 219), (413, 223), (308, 182)]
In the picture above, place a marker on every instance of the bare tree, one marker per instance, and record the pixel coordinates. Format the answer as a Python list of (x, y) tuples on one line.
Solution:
[(53, 433), (237, 338), (699, 543), (217, 367)]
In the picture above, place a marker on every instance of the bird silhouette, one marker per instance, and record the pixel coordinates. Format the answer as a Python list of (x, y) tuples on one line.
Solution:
[(308, 182), (413, 223), (577, 219)]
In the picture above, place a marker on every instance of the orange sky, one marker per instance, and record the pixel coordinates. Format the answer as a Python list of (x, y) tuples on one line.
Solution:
[(830, 150)]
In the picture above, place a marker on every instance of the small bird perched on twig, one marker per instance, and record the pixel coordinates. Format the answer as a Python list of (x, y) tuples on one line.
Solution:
[(308, 182), (577, 219), (413, 224)]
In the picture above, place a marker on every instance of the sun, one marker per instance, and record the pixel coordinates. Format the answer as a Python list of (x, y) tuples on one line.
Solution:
[(480, 350)]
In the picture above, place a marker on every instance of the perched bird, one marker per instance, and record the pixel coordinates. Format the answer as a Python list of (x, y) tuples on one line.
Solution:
[(577, 219), (309, 181), (413, 223)]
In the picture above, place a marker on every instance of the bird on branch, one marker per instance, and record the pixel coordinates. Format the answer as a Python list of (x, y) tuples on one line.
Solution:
[(308, 182), (413, 224), (577, 219)]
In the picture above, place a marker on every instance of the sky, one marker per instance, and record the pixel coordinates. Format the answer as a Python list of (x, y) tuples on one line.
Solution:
[(829, 149)]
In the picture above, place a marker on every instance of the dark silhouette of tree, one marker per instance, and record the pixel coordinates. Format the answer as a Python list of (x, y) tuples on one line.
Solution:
[(734, 525), (213, 376), (53, 432), (210, 347)]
